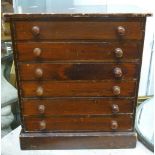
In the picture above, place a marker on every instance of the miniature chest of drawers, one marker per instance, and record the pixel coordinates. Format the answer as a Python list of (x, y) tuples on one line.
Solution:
[(78, 77)]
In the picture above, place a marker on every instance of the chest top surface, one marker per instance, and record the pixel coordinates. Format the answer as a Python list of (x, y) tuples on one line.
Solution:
[(72, 8)]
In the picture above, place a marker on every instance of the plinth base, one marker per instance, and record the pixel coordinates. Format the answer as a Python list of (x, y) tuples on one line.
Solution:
[(84, 140)]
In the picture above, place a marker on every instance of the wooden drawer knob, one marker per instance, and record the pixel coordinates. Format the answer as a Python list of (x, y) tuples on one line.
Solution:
[(114, 125), (35, 30), (116, 90), (42, 125), (117, 72), (37, 52), (41, 109), (118, 53), (39, 91), (121, 30), (38, 73), (115, 108)]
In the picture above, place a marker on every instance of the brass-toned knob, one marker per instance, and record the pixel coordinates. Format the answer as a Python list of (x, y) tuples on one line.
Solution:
[(42, 125), (121, 30), (118, 52), (35, 30), (41, 108), (39, 91), (116, 90), (38, 72), (37, 52), (117, 72), (115, 108), (114, 125)]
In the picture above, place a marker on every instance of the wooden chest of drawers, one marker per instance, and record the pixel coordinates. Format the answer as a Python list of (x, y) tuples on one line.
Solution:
[(78, 77)]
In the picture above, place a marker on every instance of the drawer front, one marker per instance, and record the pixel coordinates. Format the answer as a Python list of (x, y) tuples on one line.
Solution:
[(77, 88), (77, 71), (51, 51), (98, 123), (76, 106), (42, 30)]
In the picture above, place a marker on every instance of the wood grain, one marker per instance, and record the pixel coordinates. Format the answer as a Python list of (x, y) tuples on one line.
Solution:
[(82, 140), (79, 123), (77, 30), (138, 16), (75, 51), (77, 88), (76, 71), (76, 106), (77, 93)]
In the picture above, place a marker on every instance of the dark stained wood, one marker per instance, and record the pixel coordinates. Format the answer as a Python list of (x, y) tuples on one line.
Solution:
[(16, 70), (77, 88), (78, 141), (54, 51), (77, 30), (82, 140), (79, 123), (76, 71), (78, 94), (129, 16), (139, 72), (76, 106)]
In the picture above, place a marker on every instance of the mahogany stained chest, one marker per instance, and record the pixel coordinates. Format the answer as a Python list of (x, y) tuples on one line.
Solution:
[(78, 75)]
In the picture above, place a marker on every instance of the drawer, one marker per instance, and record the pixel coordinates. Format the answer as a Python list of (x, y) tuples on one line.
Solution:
[(79, 123), (76, 106), (77, 88), (46, 30), (77, 71), (75, 51)]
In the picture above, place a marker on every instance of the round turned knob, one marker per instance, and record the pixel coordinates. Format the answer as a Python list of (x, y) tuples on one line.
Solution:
[(38, 72), (42, 125), (115, 108), (114, 125), (35, 30), (37, 52), (121, 30), (118, 53), (39, 91), (117, 72), (116, 90), (41, 109)]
